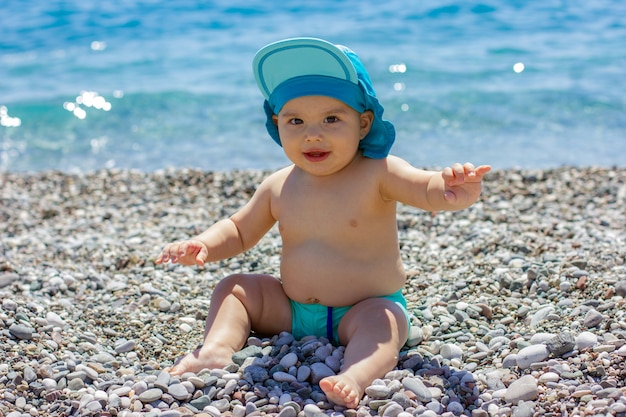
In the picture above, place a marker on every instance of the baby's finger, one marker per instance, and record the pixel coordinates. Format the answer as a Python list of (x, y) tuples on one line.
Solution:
[(202, 256), (173, 250), (482, 170), (458, 172), (183, 249), (164, 256), (476, 175), (470, 171)]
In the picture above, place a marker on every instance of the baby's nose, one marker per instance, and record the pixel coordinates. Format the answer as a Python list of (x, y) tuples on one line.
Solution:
[(313, 133)]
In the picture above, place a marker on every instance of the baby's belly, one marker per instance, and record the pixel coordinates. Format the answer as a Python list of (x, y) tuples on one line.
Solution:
[(336, 281)]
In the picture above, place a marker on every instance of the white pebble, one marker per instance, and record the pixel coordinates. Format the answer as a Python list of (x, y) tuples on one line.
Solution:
[(55, 320), (549, 377), (586, 340), (532, 354), (450, 351)]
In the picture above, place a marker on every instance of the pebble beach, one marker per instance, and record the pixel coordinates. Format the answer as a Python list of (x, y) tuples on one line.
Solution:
[(518, 303)]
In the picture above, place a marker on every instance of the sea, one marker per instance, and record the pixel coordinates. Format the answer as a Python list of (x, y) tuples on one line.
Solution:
[(153, 84)]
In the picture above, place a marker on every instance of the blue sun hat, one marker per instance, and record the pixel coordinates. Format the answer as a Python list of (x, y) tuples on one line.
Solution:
[(298, 67)]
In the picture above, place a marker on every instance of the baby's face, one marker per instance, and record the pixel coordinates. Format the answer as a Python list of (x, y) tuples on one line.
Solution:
[(321, 134)]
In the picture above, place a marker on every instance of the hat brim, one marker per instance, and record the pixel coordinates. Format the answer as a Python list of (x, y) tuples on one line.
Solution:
[(290, 58)]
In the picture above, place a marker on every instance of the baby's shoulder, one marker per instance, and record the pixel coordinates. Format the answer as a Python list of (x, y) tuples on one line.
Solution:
[(276, 179), (380, 167)]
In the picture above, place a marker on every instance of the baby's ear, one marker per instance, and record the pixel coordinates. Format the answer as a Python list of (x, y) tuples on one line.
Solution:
[(367, 117), (275, 119)]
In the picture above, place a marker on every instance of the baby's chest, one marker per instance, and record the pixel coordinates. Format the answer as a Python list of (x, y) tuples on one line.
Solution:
[(328, 215)]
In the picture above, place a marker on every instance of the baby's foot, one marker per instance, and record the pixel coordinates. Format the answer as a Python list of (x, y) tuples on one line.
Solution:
[(201, 358), (342, 390)]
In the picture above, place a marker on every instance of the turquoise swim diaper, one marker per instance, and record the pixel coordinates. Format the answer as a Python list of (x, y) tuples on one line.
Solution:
[(323, 321)]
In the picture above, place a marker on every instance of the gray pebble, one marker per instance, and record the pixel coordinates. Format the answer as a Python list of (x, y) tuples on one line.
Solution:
[(213, 411), (436, 407), (8, 278), (391, 409), (178, 391), (249, 351), (320, 371), (287, 412), (304, 372), (123, 346), (450, 351), (201, 402), (592, 319), (455, 408), (170, 413), (524, 409), (150, 395), (541, 315), (531, 354), (524, 389), (9, 304), (22, 331), (377, 391), (256, 373), (560, 344), (163, 380), (418, 388), (586, 340), (289, 360), (55, 320), (76, 384), (283, 377)]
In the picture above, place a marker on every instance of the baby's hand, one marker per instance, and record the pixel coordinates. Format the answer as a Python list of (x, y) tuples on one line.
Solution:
[(463, 182), (188, 252)]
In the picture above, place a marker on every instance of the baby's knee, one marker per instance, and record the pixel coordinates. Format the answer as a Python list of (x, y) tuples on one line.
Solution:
[(242, 284), (377, 313), (233, 283)]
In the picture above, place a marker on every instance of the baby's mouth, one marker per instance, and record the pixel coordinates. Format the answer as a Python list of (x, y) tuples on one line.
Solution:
[(316, 156)]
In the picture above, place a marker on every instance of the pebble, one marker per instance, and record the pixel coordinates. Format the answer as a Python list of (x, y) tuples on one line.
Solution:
[(561, 344), (178, 391), (54, 319), (501, 326), (586, 340), (150, 395), (123, 346), (592, 319), (523, 389), (531, 354), (451, 351), (418, 388), (320, 371), (22, 331)]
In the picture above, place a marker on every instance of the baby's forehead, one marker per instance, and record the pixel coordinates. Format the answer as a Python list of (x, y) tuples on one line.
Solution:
[(318, 103)]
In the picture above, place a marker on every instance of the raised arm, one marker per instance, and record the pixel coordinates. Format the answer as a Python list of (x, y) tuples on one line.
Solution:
[(227, 237), (453, 188)]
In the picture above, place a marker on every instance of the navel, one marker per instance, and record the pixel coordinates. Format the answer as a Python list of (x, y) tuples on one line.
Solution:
[(354, 223)]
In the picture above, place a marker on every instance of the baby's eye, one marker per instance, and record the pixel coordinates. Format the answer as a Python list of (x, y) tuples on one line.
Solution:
[(295, 121), (331, 119)]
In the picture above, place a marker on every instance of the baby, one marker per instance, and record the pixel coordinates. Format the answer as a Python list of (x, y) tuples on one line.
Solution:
[(341, 273)]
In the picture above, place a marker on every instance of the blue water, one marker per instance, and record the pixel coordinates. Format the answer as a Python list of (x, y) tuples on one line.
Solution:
[(91, 84)]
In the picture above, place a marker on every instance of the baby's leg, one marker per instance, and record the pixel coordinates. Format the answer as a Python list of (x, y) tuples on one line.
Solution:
[(239, 303), (373, 331)]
